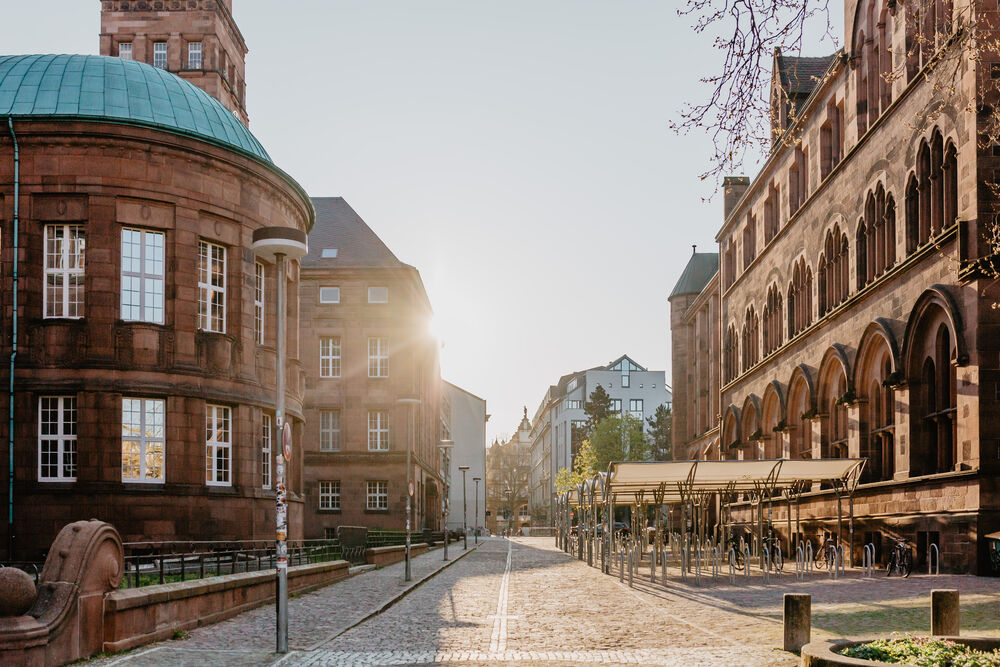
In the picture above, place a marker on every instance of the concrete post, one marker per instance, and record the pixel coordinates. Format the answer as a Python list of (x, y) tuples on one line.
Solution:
[(944, 613), (798, 620)]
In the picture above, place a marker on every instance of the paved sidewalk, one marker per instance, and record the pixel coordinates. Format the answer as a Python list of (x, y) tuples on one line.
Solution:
[(313, 619)]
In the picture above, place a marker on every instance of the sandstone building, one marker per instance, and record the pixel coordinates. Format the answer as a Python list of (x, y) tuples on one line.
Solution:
[(366, 344), (508, 470), (851, 315)]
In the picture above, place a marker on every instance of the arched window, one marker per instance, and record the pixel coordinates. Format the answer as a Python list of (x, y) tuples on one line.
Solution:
[(876, 236), (889, 233), (950, 185), (731, 354), (821, 271), (835, 440), (931, 374), (912, 215), (772, 320), (799, 428), (861, 251), (751, 340), (749, 241), (834, 278), (799, 298), (924, 186), (937, 183), (877, 413), (729, 263)]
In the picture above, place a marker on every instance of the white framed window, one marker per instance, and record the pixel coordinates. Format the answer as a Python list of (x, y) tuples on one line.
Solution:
[(329, 253), (329, 430), (329, 357), (378, 430), (378, 295), (211, 287), (57, 439), (142, 275), (329, 495), (574, 405), (265, 452), (160, 55), (125, 50), (378, 495), (635, 407), (194, 55), (616, 406), (258, 303), (378, 357), (143, 443), (65, 252), (329, 295), (218, 445)]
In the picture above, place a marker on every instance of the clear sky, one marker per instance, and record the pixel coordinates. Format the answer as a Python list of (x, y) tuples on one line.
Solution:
[(516, 152)]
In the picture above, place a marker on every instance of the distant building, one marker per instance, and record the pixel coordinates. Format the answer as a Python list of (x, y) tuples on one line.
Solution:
[(556, 428), (366, 344), (507, 473), (463, 421)]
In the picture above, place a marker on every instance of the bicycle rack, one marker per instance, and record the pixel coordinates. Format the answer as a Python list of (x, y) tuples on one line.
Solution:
[(810, 561), (631, 565), (697, 566), (777, 570), (765, 565), (663, 566), (732, 565), (746, 563), (715, 563), (652, 565), (800, 563), (933, 548), (621, 566), (868, 560)]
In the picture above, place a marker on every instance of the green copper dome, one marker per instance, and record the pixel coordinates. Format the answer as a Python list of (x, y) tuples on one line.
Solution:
[(120, 91)]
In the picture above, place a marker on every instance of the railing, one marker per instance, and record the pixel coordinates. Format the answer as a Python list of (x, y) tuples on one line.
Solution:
[(868, 560), (933, 558)]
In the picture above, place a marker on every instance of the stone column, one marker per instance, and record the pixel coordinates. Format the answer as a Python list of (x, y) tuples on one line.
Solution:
[(901, 400), (944, 613), (797, 621)]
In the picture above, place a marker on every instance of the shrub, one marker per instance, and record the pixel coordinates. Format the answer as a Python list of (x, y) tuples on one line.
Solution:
[(923, 651)]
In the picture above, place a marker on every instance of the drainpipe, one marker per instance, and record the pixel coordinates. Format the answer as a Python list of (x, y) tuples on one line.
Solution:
[(13, 350)]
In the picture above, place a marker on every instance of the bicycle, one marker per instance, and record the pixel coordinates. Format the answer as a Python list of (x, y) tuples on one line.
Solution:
[(900, 559), (733, 547), (827, 554), (777, 559)]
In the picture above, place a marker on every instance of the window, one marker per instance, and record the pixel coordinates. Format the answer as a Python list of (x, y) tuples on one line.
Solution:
[(799, 303), (57, 439), (65, 247), (211, 287), (265, 452), (378, 431), (378, 357), (329, 430), (574, 405), (749, 241), (635, 407), (194, 55), (751, 347), (616, 406), (142, 440), (142, 276), (160, 55), (329, 357), (329, 295), (378, 295), (329, 253), (258, 303), (329, 495), (125, 50), (218, 445), (378, 495), (771, 316)]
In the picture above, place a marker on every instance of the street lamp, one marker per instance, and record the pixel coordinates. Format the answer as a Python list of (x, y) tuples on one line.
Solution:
[(446, 446), (280, 244), (409, 481), (475, 520), (465, 530)]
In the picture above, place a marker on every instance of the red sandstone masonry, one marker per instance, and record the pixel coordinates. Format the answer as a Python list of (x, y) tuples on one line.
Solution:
[(383, 556)]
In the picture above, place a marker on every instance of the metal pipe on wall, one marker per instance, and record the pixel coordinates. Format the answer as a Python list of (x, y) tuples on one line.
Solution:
[(13, 345)]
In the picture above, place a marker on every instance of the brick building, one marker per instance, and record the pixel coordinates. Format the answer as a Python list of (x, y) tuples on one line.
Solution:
[(851, 318), (366, 344), (144, 375), (197, 40)]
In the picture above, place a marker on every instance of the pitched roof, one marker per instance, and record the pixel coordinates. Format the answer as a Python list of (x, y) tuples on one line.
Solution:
[(699, 270), (338, 227), (800, 75)]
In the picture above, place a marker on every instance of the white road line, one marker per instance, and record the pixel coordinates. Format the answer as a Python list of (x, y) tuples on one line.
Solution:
[(498, 641), (133, 655)]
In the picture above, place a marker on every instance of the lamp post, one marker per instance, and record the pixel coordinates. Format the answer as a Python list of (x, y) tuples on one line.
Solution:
[(280, 244), (409, 480), (446, 446), (465, 529), (475, 519)]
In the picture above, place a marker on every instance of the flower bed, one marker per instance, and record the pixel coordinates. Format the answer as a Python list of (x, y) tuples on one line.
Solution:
[(923, 651)]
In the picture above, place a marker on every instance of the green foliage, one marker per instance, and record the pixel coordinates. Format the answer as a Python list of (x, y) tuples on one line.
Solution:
[(180, 634), (597, 408), (659, 433), (619, 439), (584, 467), (923, 651)]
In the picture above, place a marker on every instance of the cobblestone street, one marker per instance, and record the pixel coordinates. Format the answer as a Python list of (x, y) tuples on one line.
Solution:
[(522, 600)]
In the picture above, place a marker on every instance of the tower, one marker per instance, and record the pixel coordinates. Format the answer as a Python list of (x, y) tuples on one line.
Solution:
[(197, 40)]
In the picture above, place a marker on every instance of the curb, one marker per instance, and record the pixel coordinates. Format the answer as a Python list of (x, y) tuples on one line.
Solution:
[(396, 598)]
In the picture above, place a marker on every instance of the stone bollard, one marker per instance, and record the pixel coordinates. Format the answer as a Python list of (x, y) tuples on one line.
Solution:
[(944, 613), (798, 621)]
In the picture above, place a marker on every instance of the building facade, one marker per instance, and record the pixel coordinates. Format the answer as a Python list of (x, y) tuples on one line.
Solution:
[(373, 383), (144, 375), (557, 426), (508, 471), (197, 40), (855, 316), (463, 421)]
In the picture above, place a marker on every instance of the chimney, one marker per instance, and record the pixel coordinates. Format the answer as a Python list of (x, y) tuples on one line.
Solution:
[(733, 188)]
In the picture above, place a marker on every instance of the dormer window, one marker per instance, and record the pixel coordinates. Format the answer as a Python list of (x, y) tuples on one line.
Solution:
[(329, 253)]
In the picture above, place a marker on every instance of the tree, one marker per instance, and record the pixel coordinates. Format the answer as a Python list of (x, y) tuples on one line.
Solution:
[(597, 408), (619, 439), (659, 433), (584, 467)]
